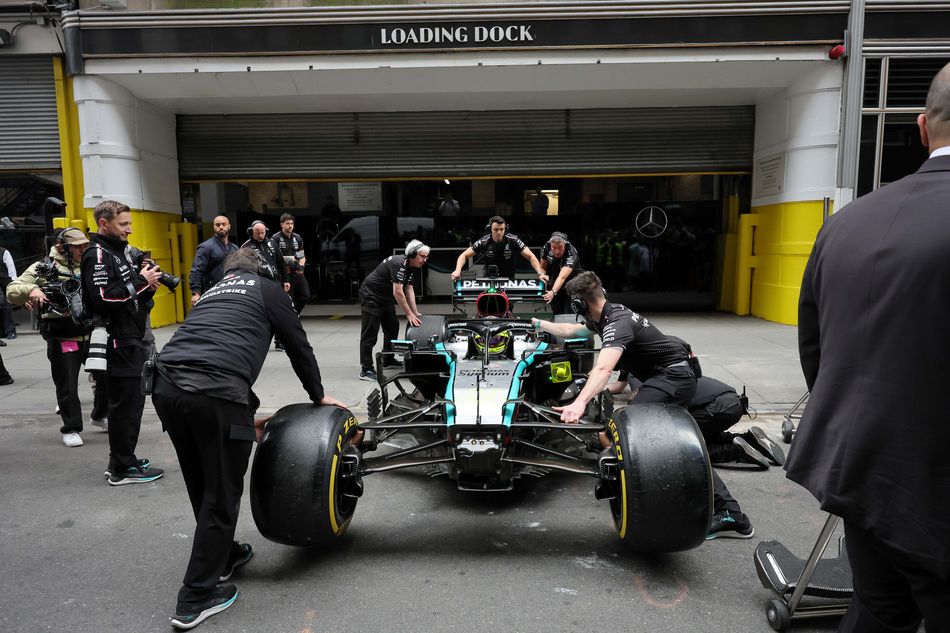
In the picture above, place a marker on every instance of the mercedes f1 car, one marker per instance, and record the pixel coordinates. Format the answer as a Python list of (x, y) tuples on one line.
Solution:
[(475, 397)]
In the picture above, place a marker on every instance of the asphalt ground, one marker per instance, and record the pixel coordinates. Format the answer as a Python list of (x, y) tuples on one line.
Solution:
[(79, 555)]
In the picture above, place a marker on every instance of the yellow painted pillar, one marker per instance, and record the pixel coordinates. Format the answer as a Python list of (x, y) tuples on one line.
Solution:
[(189, 244), (67, 116), (783, 240), (746, 262)]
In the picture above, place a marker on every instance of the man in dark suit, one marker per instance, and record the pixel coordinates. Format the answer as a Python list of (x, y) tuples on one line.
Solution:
[(874, 338)]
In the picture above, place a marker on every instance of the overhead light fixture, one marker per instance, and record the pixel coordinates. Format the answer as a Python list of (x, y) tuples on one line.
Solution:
[(447, 181)]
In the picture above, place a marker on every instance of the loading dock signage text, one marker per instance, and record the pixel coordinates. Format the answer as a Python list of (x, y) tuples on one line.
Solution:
[(442, 35)]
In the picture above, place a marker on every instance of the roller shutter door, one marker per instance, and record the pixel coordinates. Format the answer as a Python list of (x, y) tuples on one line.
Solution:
[(478, 143), (29, 132)]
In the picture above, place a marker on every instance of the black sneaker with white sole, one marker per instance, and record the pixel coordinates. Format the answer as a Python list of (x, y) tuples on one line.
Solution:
[(188, 616), (135, 475), (368, 374), (726, 524), (240, 554), (142, 463), (764, 444)]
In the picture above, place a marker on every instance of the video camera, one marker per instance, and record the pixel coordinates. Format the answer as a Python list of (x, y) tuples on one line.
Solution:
[(63, 293), (138, 257)]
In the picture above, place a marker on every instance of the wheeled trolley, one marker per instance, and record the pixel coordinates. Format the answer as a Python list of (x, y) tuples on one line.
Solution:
[(788, 424), (828, 580)]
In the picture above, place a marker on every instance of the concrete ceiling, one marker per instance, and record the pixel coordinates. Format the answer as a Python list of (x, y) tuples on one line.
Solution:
[(463, 81)]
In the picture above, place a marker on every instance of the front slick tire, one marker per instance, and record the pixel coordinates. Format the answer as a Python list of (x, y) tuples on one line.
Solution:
[(297, 492), (663, 497)]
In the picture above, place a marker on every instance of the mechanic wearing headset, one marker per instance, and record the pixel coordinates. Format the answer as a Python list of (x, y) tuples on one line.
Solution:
[(392, 279), (266, 252), (561, 263), (631, 343), (499, 248)]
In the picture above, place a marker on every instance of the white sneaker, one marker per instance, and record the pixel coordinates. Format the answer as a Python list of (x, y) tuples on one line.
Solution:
[(56, 410), (102, 424), (72, 439)]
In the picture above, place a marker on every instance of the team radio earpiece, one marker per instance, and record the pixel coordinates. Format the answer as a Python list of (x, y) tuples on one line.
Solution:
[(579, 304), (414, 247), (507, 226), (557, 235)]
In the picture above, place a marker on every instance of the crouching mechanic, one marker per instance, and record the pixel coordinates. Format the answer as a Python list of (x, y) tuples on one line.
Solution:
[(629, 342), (392, 279), (202, 393)]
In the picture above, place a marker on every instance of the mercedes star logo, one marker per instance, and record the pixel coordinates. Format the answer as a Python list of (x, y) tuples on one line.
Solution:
[(651, 222)]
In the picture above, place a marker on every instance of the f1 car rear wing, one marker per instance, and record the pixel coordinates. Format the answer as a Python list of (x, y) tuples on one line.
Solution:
[(468, 290)]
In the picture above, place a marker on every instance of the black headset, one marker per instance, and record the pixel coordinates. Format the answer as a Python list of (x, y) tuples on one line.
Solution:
[(250, 229), (412, 252), (579, 304), (488, 227), (61, 236), (557, 235)]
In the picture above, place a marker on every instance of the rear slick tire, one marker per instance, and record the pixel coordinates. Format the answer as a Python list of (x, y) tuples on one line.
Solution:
[(297, 492), (663, 498)]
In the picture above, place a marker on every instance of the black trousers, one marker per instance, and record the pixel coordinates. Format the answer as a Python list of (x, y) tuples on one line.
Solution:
[(65, 368), (213, 467), (7, 322), (893, 591), (670, 385), (560, 304), (299, 291), (126, 404), (676, 385), (100, 395), (369, 332), (3, 370)]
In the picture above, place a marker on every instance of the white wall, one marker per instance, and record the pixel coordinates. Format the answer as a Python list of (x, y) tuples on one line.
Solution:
[(800, 126), (30, 39), (128, 148)]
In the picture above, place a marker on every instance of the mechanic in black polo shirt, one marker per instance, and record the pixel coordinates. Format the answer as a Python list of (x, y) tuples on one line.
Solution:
[(561, 263), (392, 279), (498, 248), (202, 393), (266, 252), (631, 343), (290, 254)]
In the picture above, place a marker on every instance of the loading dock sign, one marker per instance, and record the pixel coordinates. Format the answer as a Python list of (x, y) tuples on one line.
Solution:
[(769, 176), (509, 34)]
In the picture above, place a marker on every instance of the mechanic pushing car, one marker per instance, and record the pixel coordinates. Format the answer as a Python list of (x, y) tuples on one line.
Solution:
[(203, 396), (561, 263), (631, 343), (498, 248), (392, 279)]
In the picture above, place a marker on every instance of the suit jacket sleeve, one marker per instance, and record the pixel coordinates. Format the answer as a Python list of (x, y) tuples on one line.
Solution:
[(198, 269), (809, 335)]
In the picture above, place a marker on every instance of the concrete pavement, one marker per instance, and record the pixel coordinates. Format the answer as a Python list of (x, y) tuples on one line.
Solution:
[(81, 556), (760, 355)]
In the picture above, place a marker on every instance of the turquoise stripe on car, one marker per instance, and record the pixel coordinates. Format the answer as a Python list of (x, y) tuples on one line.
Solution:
[(509, 410), (450, 386)]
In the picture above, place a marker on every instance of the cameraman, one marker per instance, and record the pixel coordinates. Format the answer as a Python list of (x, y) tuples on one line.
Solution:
[(119, 296), (53, 286)]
